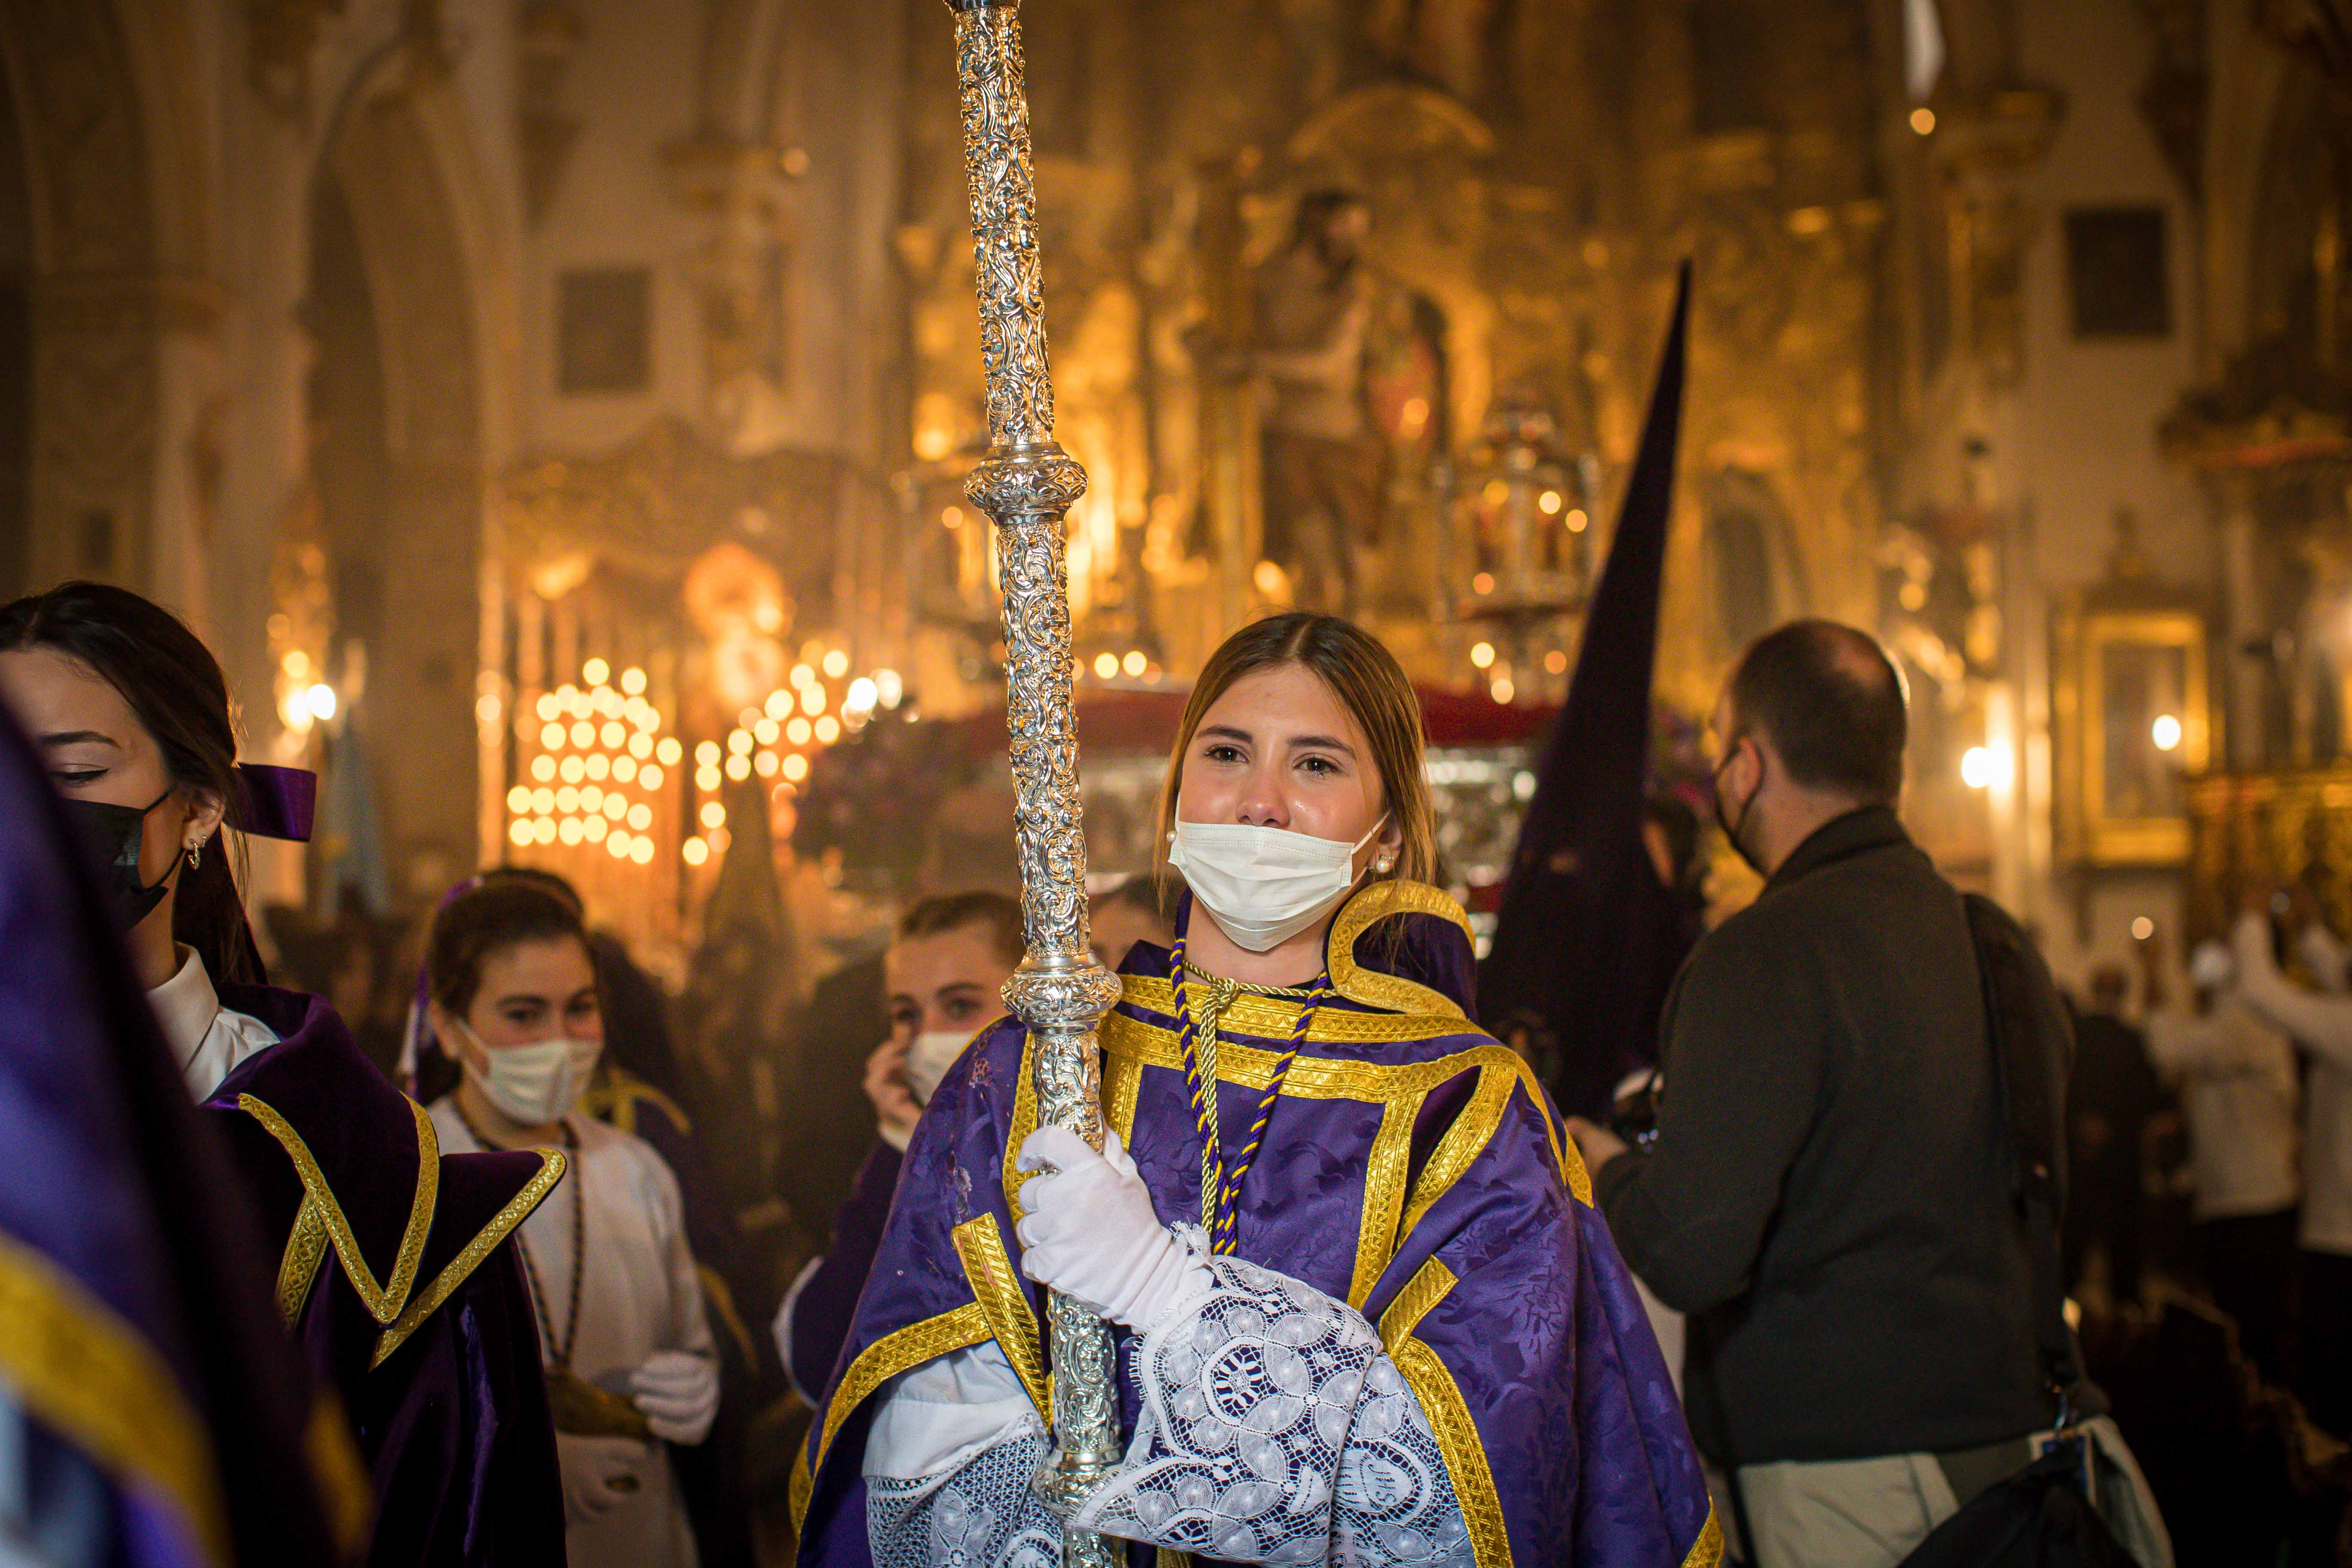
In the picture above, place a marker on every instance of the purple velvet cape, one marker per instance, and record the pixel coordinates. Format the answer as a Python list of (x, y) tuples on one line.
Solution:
[(1413, 1168), (130, 1259), (448, 1401)]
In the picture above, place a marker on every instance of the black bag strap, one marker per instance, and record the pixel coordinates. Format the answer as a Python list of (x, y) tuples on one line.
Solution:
[(2033, 1048)]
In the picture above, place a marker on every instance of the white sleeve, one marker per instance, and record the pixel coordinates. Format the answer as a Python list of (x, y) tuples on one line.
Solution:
[(2321, 1024), (948, 1466), (935, 1417)]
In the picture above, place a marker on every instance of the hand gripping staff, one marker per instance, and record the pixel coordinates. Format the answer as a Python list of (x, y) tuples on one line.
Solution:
[(1026, 484)]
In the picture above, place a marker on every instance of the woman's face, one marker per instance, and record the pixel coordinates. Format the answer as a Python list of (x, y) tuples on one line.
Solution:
[(535, 991), (1279, 749), (96, 749), (947, 981)]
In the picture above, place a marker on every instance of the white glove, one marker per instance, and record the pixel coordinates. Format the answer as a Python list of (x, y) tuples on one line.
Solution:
[(599, 1474), (1089, 1231), (678, 1392)]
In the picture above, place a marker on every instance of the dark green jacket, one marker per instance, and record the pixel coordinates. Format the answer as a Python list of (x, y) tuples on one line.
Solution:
[(1828, 1196)]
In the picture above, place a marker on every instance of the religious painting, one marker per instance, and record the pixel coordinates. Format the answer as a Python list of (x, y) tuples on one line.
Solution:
[(604, 330), (2136, 719), (2115, 272)]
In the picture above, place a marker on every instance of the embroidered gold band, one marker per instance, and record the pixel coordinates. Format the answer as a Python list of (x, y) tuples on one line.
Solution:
[(382, 1302), (803, 1481), (893, 1354), (1448, 1414), (1706, 1551), (1360, 914), (306, 1253), (1385, 1177), (90, 1377), (1463, 1144), (551, 1166), (999, 1293)]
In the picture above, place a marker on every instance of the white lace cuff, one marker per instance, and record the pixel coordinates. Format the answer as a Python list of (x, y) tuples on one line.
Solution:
[(1274, 1429)]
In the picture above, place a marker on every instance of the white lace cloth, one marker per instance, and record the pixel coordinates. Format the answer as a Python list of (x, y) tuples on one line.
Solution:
[(1274, 1429)]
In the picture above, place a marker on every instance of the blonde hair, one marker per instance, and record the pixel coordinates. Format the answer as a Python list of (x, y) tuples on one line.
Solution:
[(1368, 681)]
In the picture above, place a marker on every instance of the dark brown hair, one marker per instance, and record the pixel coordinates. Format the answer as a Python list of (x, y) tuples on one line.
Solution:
[(1830, 703), (952, 912), (476, 927), (175, 689), (1368, 681)]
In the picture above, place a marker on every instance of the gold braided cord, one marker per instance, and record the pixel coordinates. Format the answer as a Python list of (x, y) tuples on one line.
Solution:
[(1384, 1179), (1360, 914), (1250, 987), (999, 1293), (1706, 1551), (383, 1301), (1448, 1413), (893, 1354), (1208, 1013), (306, 1253), (551, 1166), (83, 1371)]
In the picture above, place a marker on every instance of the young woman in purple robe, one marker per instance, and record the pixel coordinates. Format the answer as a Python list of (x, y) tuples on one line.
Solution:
[(1366, 1312), (394, 1270)]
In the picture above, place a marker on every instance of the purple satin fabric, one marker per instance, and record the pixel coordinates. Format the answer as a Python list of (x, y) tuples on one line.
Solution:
[(276, 803), (1543, 1335), (453, 1427)]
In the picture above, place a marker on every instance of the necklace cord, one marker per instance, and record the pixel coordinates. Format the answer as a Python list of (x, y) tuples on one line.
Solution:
[(559, 1351), (1221, 1188)]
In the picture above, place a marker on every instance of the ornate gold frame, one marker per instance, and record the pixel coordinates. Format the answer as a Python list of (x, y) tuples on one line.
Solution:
[(2088, 833)]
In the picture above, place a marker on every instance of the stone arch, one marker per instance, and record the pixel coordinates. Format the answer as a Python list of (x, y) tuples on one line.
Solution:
[(1751, 557), (405, 308)]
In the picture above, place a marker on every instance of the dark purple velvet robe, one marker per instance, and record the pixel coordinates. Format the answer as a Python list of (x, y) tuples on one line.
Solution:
[(1413, 1168), (441, 1375), (168, 1420), (827, 1305)]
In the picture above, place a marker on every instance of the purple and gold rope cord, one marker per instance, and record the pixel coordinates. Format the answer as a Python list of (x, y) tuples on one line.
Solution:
[(1215, 1178)]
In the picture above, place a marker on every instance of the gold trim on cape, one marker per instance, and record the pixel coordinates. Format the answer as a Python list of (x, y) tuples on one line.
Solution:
[(803, 1483), (1272, 1018), (84, 1373), (893, 1354), (1464, 1142), (1706, 1551), (382, 1302), (306, 1253), (1373, 989), (551, 1166), (1448, 1413), (1384, 1176), (1025, 1122), (340, 1473), (998, 1290)]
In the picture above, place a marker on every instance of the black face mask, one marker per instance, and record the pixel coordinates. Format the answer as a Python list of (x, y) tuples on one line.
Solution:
[(1730, 827), (116, 832)]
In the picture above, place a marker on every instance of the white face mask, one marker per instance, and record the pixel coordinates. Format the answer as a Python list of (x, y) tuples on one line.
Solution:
[(537, 1083), (933, 1052), (1264, 885)]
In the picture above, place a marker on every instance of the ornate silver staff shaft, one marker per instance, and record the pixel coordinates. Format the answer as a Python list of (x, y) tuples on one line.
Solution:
[(1026, 485)]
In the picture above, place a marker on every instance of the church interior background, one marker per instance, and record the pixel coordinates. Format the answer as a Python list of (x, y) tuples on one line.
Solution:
[(554, 411)]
